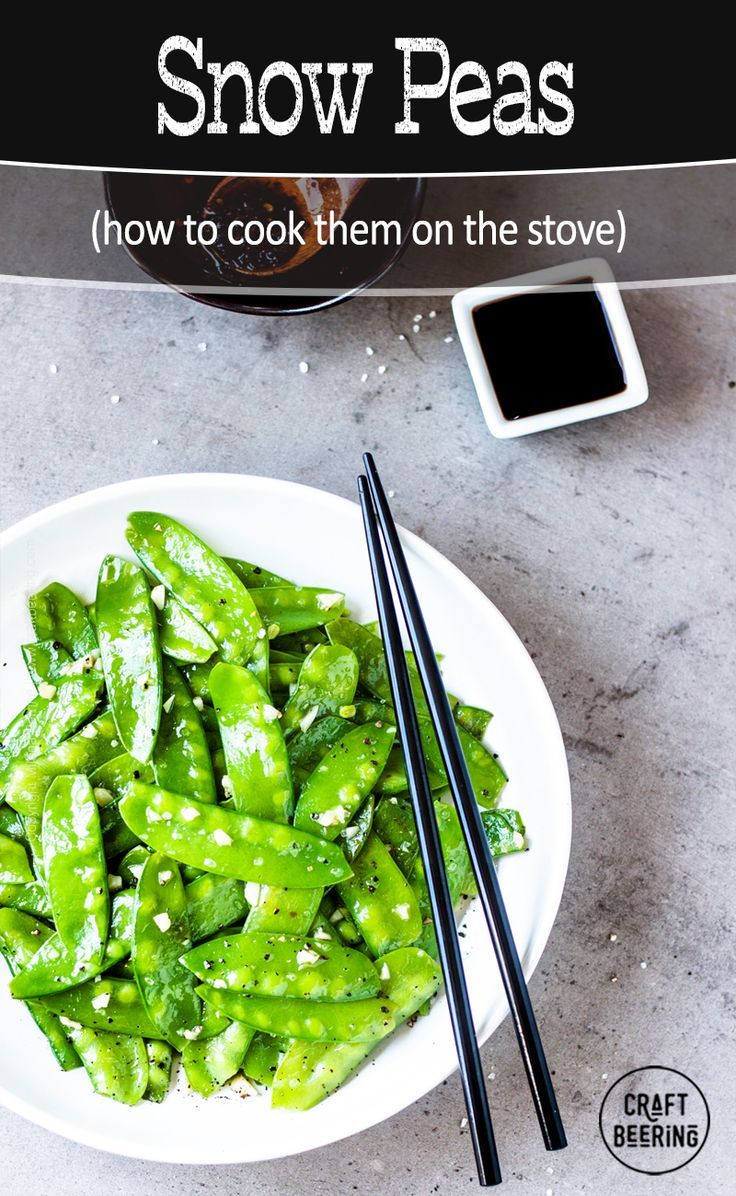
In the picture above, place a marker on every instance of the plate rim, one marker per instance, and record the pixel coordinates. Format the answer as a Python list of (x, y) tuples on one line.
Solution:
[(86, 1134)]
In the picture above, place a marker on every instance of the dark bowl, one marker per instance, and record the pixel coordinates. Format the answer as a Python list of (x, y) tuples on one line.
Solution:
[(336, 272)]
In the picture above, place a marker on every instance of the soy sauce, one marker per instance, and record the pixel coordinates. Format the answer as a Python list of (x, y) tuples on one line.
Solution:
[(549, 349)]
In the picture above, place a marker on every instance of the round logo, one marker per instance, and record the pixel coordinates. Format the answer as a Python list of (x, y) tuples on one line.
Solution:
[(654, 1120)]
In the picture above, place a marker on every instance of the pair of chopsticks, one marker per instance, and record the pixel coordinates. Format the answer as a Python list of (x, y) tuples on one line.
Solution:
[(379, 524)]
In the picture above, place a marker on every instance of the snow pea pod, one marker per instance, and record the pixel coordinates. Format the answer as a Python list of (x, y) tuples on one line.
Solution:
[(54, 967), (334, 792), (393, 779), (75, 867), (368, 649), (106, 1004), (49, 719), (84, 752), (131, 865), (282, 911), (44, 660), (355, 836), (160, 1063), (180, 635), (214, 902), (117, 1064), (161, 936), (474, 719), (486, 774), (307, 748), (257, 761), (327, 682), (310, 1071), (20, 938), (321, 1021), (57, 614), (297, 608), (506, 835), (131, 656), (262, 1058), (284, 966), (211, 1063), (220, 840), (395, 826), (28, 899), (181, 758), (455, 857), (282, 675), (200, 579), (108, 782), (14, 866), (11, 824), (380, 901), (300, 641), (255, 576)]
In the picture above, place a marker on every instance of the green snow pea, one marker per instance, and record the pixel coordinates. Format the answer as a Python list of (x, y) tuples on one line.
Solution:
[(199, 579), (284, 966), (254, 577), (326, 684), (14, 866), (117, 1064), (321, 1021), (27, 899), (20, 938), (282, 911), (334, 792), (161, 936), (28, 780), (262, 1058), (57, 614), (393, 779), (505, 833), (300, 641), (198, 678), (310, 1071), (281, 676), (160, 1063), (307, 748), (108, 782), (380, 901), (486, 774), (230, 844), (131, 656), (181, 758), (395, 826), (368, 648), (54, 967), (355, 836), (210, 1063), (11, 824), (131, 865), (474, 719), (180, 635), (44, 660), (340, 920), (257, 761), (455, 856), (75, 867), (214, 902), (297, 608), (105, 1004), (48, 719)]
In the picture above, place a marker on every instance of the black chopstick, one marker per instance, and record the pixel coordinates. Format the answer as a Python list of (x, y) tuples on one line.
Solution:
[(512, 975), (471, 1071)]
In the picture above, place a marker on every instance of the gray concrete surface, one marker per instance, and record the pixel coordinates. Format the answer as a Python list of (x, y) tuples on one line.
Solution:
[(610, 548)]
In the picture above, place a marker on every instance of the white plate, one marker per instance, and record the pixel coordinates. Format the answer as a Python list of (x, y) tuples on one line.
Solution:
[(316, 538)]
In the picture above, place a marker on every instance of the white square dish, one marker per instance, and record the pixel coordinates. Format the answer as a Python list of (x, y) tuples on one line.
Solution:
[(590, 272)]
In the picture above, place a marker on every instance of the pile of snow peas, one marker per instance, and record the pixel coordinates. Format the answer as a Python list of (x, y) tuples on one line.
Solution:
[(207, 848)]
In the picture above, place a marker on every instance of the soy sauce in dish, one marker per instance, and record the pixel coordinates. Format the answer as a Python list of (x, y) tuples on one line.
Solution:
[(549, 349)]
